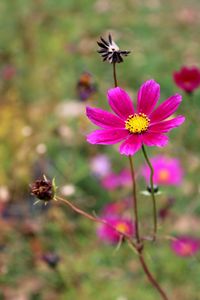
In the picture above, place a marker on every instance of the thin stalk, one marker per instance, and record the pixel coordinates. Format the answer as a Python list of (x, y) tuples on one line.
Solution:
[(96, 220), (152, 192), (139, 246), (151, 278), (115, 75), (135, 207)]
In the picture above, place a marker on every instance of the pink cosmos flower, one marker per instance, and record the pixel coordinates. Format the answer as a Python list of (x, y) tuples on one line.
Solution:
[(113, 181), (187, 78), (135, 126), (185, 246), (100, 165), (116, 208), (110, 235), (167, 171)]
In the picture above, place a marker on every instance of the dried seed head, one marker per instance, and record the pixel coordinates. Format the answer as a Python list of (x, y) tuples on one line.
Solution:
[(43, 189), (110, 51)]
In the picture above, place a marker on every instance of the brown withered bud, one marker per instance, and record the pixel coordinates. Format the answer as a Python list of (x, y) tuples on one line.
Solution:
[(43, 189)]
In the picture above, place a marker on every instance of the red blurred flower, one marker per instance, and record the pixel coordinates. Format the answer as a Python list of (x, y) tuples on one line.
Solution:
[(187, 78)]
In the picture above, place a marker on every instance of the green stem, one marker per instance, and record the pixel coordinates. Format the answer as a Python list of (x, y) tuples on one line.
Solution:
[(115, 75), (135, 207), (151, 278), (152, 192)]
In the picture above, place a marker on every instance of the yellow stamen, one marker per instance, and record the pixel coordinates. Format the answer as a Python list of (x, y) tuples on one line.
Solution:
[(164, 175), (122, 227), (186, 249), (137, 123)]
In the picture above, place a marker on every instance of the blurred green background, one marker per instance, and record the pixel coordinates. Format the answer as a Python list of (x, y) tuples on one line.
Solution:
[(45, 46)]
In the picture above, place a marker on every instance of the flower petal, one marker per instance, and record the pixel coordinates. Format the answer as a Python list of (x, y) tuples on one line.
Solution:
[(166, 109), (120, 102), (148, 96), (104, 118), (131, 145), (154, 139), (107, 136), (167, 125)]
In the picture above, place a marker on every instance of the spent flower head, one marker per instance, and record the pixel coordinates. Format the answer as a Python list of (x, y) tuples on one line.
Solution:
[(110, 51), (43, 189)]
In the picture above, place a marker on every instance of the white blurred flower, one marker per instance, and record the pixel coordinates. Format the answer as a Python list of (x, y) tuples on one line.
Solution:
[(65, 132), (121, 298), (41, 148), (4, 194), (70, 109), (100, 165), (67, 190), (27, 131)]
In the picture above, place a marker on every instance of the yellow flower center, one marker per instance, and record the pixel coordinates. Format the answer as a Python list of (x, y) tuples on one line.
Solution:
[(137, 123), (164, 175), (186, 249), (122, 227)]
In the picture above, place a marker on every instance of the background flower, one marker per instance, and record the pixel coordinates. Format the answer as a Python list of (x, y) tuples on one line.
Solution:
[(100, 165), (116, 208), (113, 180), (167, 171), (85, 87), (185, 246), (110, 235), (187, 78)]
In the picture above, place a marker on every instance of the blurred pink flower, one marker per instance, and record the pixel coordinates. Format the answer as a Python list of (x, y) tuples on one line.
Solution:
[(185, 246), (100, 165), (116, 208), (135, 126), (187, 78), (113, 180), (8, 72), (109, 234), (167, 171)]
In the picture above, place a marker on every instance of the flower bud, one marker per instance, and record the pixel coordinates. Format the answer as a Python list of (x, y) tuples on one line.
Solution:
[(43, 189)]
